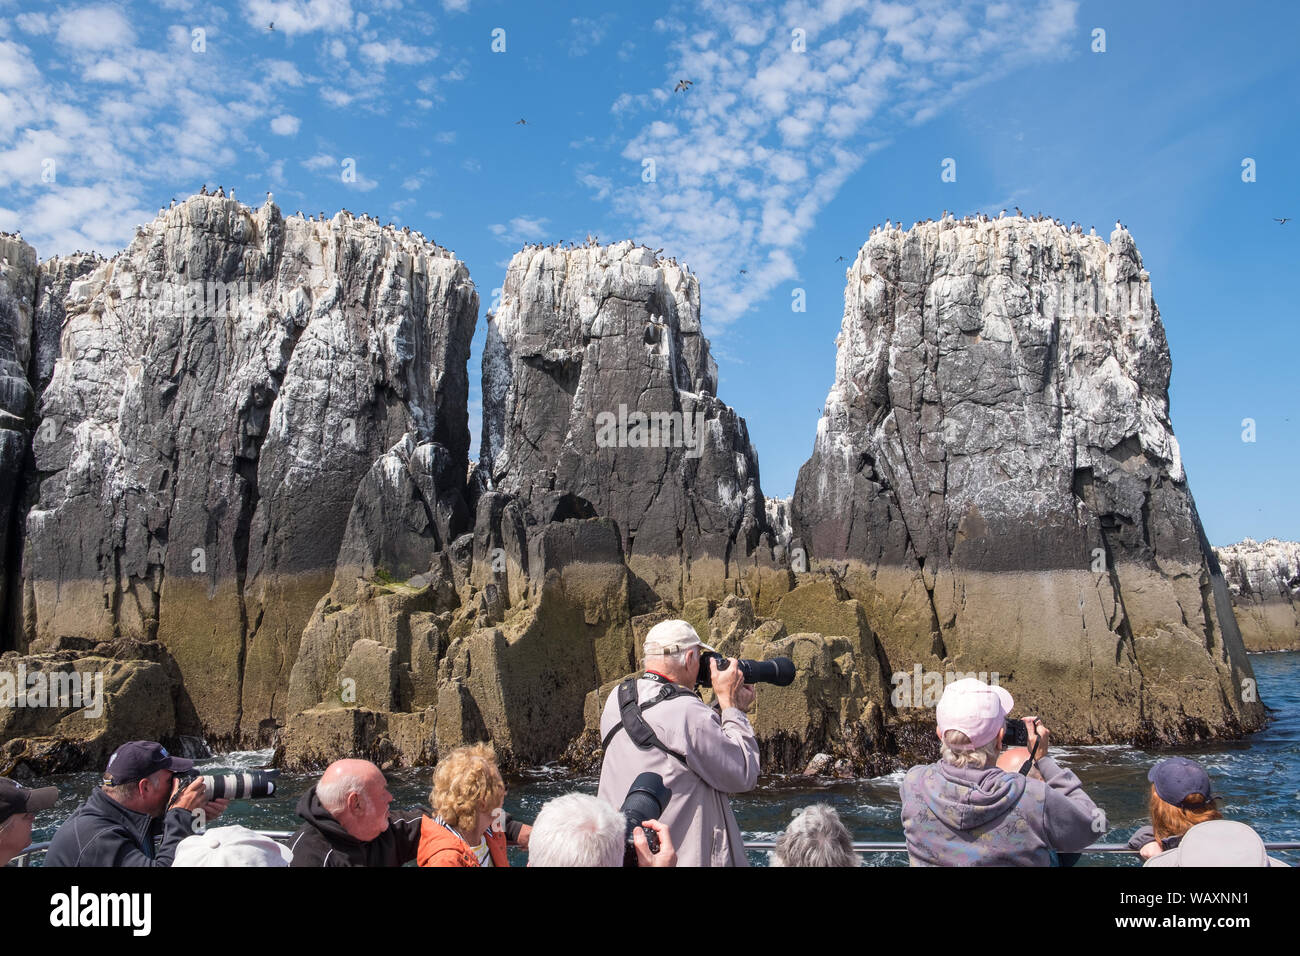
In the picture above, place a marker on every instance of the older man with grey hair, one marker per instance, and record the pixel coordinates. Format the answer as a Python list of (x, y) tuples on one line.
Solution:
[(581, 830), (815, 837), (346, 821), (657, 723)]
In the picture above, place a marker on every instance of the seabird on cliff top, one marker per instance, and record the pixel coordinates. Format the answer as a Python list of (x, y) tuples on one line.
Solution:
[(203, 190)]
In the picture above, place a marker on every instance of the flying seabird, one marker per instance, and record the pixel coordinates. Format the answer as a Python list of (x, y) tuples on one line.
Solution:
[(843, 258), (743, 271), (1282, 222), (682, 86), (271, 25), (521, 122)]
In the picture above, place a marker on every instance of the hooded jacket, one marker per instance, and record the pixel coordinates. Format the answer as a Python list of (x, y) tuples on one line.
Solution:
[(986, 817), (440, 845), (721, 758), (102, 832), (322, 841)]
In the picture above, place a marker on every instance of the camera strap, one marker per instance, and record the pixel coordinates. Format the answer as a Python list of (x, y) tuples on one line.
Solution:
[(630, 719)]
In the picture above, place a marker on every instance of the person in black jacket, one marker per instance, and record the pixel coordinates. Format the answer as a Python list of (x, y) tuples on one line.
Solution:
[(347, 823), (118, 824)]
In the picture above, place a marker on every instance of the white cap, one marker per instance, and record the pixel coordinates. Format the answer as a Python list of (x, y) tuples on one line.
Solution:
[(231, 846), (1218, 843), (977, 709), (672, 637)]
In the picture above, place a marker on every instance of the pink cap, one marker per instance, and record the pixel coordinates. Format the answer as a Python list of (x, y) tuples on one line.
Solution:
[(977, 709)]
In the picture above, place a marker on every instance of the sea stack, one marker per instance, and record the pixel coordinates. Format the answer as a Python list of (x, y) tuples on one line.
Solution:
[(996, 479), (1264, 579), (223, 387), (600, 398)]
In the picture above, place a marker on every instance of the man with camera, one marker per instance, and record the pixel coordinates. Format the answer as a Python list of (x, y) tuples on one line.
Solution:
[(118, 824), (965, 811), (657, 723)]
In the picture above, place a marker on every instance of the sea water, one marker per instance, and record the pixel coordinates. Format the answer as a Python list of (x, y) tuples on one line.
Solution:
[(1257, 777)]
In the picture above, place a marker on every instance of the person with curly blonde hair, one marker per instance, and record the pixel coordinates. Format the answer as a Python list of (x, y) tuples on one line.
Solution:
[(467, 797)]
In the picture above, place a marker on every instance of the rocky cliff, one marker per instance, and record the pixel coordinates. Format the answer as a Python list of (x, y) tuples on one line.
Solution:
[(600, 397), (224, 386), (996, 479), (1264, 580), (242, 490)]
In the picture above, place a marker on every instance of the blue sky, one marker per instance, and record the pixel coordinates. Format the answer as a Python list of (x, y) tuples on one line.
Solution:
[(775, 161)]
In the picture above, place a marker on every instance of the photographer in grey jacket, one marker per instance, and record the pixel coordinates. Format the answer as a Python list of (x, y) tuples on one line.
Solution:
[(702, 754)]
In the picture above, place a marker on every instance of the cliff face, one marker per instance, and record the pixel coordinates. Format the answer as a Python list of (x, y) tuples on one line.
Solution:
[(224, 386), (1264, 580), (599, 397), (19, 276), (245, 481), (996, 475)]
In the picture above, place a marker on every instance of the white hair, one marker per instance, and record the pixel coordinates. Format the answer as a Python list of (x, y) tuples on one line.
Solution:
[(577, 830), (815, 837), (678, 659), (333, 794), (956, 751)]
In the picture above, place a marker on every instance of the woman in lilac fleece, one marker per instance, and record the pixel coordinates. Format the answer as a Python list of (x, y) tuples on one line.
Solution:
[(964, 811)]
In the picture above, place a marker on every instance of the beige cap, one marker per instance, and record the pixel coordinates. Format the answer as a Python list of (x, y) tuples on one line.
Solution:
[(672, 637)]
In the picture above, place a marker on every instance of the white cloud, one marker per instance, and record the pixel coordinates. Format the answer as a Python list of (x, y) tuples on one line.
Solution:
[(520, 230), (94, 28), (283, 72), (320, 161), (16, 68), (37, 24), (395, 51), (766, 136), (410, 183), (300, 16), (285, 125)]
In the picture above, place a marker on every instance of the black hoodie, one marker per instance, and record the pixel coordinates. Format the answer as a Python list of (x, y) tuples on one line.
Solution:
[(102, 832), (322, 841)]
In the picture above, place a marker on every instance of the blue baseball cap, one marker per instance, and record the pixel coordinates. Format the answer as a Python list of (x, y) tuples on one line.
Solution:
[(1178, 778), (140, 758)]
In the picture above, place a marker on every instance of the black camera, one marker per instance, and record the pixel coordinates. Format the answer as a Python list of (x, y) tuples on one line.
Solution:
[(645, 800), (778, 671), (1016, 733), (249, 785)]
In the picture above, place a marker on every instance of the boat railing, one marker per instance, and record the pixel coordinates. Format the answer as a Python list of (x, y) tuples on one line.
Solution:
[(863, 847)]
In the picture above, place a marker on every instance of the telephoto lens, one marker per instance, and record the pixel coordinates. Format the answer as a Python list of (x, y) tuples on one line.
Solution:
[(778, 671), (249, 785), (645, 800)]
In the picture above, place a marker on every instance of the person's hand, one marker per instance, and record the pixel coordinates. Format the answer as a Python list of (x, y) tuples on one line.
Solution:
[(1151, 849), (667, 855), (745, 697), (214, 808), (1037, 732), (193, 796), (525, 831), (726, 683)]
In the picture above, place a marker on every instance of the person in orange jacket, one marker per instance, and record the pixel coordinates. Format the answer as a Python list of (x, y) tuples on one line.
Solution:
[(467, 799)]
